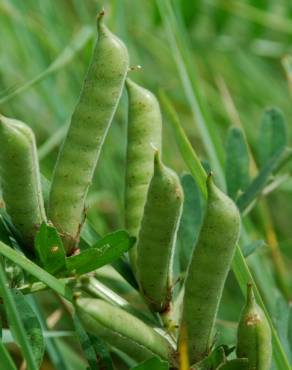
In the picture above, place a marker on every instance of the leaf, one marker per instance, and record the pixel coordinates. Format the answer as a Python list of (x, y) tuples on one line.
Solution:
[(153, 363), (102, 352), (36, 271), (283, 323), (289, 330), (272, 135), (258, 184), (31, 326), (47, 334), (236, 364), (191, 219), (122, 266), (105, 251), (14, 273), (4, 232), (95, 351), (250, 248), (15, 321), (8, 225), (214, 359), (5, 358), (237, 162), (49, 248)]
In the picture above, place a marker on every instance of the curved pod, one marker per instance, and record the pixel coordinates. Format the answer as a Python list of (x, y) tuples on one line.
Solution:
[(20, 178), (144, 135), (90, 122), (157, 236), (208, 271), (254, 338), (122, 330)]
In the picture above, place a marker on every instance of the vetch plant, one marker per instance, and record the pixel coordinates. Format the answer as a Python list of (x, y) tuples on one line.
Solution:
[(131, 302)]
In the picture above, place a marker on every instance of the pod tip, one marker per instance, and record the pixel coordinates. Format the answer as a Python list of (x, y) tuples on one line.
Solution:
[(210, 177), (76, 296), (99, 18), (100, 15), (250, 294), (157, 160)]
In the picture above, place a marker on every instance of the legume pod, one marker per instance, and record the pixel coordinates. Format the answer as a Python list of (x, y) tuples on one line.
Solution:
[(122, 330), (254, 339), (89, 125), (144, 135), (157, 236), (208, 270), (20, 178)]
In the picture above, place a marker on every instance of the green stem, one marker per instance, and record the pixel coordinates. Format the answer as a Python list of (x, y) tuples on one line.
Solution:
[(40, 286)]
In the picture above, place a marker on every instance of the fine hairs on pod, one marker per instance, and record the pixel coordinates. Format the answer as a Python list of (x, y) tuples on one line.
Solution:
[(20, 178), (207, 271), (90, 122), (157, 236), (143, 138), (254, 338)]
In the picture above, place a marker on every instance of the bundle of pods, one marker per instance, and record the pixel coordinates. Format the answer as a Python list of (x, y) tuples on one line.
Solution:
[(153, 207)]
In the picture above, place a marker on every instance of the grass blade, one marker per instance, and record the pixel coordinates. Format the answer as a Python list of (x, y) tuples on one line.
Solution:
[(190, 84), (33, 269), (15, 321), (65, 57), (5, 358), (31, 325), (188, 153)]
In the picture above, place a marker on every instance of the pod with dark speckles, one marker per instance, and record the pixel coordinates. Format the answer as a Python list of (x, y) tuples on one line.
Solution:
[(143, 136), (208, 269), (157, 236), (89, 125), (254, 338), (20, 178)]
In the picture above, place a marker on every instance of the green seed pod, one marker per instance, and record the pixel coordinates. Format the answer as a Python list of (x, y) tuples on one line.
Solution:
[(20, 178), (208, 271), (89, 125), (254, 338), (157, 236), (122, 330), (144, 134)]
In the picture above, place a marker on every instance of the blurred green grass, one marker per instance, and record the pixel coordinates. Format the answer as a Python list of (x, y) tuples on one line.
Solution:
[(235, 49)]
